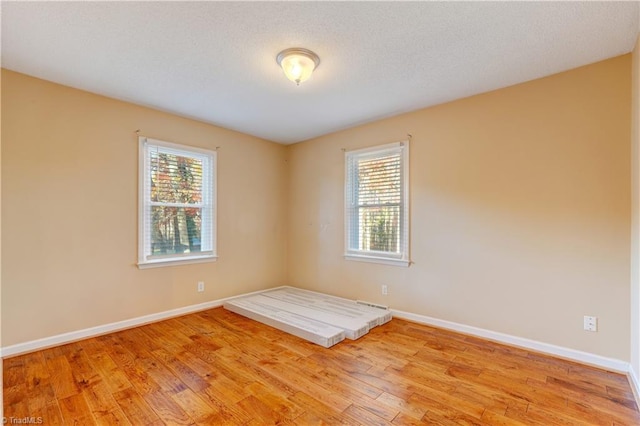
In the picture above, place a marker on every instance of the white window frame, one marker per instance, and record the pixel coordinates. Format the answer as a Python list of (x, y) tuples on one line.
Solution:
[(351, 218), (145, 260)]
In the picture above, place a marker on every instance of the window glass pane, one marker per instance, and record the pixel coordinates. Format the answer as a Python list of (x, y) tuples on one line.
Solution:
[(175, 230), (175, 179), (379, 229)]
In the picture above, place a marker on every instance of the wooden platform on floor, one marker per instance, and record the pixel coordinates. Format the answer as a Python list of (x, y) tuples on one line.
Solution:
[(217, 367), (319, 318)]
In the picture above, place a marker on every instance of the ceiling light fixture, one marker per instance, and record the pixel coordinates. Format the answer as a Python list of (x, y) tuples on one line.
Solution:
[(298, 63)]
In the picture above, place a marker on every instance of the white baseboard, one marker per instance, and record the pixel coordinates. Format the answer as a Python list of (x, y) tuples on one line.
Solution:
[(634, 383), (61, 339), (609, 364)]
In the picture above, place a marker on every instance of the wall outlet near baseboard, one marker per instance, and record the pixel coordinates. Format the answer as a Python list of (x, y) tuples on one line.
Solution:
[(385, 289), (200, 286), (590, 323)]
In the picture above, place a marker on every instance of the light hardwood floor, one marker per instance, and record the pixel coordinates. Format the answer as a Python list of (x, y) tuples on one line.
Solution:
[(216, 367)]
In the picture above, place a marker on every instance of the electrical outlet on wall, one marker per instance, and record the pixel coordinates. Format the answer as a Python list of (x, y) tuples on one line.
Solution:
[(200, 286), (590, 323), (385, 289)]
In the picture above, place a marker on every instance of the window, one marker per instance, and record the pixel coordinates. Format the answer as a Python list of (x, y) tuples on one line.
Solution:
[(177, 212), (377, 204)]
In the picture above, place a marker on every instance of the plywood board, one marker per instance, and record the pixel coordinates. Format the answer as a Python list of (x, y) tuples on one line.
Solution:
[(352, 326), (310, 315), (327, 303), (305, 328)]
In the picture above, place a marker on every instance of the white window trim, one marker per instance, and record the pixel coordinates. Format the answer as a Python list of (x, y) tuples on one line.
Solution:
[(380, 257), (143, 187), (381, 260), (187, 260)]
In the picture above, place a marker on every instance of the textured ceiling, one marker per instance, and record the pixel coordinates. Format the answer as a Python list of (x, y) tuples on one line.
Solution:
[(215, 61)]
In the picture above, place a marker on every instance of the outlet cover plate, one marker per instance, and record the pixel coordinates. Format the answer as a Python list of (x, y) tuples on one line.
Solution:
[(590, 323)]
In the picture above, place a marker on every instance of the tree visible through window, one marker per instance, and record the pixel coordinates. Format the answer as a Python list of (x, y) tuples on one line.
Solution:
[(377, 204), (177, 202)]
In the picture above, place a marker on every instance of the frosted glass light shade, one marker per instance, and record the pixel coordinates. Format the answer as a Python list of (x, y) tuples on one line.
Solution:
[(298, 63)]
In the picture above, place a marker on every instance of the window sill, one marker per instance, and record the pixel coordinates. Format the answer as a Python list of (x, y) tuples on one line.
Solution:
[(381, 260), (158, 263)]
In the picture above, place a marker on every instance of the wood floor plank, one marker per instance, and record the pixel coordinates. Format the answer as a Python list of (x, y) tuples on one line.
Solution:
[(539, 415), (261, 411), (161, 375), (226, 388), (607, 378), (16, 408), (308, 386), (375, 354), (498, 364), (195, 406), (116, 349), (76, 411), (382, 379), (203, 347), (496, 419), (446, 405), (135, 407), (40, 397), (495, 401), (181, 370), (52, 414), (275, 400), (597, 408), (109, 372), (401, 405), (457, 419), (309, 418), (167, 409), (116, 417), (62, 380), (431, 378), (320, 411), (14, 372), (406, 420), (99, 399), (228, 411), (36, 372), (165, 337), (348, 389), (16, 394), (330, 375), (254, 368), (140, 379), (82, 369), (216, 367), (618, 393), (365, 417), (228, 366), (202, 368), (338, 361), (514, 387)]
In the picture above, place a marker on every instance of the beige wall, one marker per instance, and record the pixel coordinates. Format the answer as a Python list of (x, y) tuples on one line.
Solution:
[(520, 211), (69, 205), (635, 210)]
